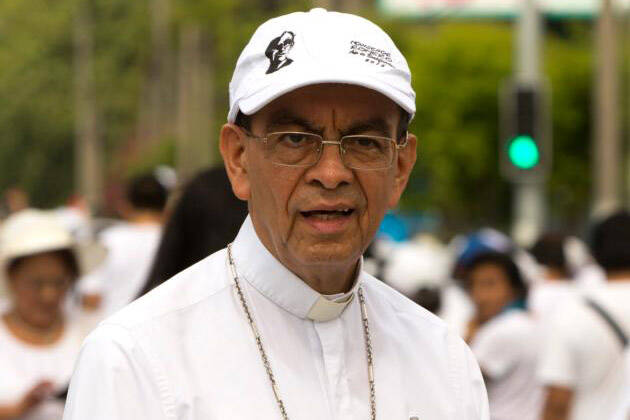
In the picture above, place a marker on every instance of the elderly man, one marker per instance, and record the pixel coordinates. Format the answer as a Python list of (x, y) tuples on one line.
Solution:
[(283, 323)]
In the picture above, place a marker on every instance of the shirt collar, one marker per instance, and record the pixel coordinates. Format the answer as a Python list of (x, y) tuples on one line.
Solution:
[(265, 273)]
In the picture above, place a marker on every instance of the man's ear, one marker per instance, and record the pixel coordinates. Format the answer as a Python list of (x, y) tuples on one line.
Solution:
[(232, 146), (405, 161)]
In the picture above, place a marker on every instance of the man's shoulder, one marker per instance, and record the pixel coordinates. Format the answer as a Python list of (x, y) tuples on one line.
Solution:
[(572, 321), (123, 231), (114, 231), (511, 327), (405, 310), (422, 339), (512, 320), (199, 282), (613, 293), (413, 327)]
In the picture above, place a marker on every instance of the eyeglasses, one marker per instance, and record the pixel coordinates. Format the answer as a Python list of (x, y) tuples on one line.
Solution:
[(364, 152)]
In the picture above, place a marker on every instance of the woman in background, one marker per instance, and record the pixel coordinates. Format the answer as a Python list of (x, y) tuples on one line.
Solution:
[(38, 344), (504, 337), (205, 219)]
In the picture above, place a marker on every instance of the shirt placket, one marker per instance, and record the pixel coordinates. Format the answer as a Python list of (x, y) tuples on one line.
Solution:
[(331, 338)]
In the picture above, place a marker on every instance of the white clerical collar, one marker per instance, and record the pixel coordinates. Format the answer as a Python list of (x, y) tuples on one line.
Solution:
[(266, 274)]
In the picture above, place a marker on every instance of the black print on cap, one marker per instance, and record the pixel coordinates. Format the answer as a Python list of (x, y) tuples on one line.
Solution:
[(372, 55), (277, 51)]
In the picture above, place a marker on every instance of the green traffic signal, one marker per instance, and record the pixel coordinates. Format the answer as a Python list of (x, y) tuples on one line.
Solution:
[(523, 152)]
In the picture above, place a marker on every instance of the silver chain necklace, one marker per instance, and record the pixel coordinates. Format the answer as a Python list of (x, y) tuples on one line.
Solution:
[(265, 359)]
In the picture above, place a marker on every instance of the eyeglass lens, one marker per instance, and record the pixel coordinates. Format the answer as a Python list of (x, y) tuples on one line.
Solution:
[(304, 149)]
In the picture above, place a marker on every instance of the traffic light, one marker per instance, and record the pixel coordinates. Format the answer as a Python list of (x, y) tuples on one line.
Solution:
[(525, 146), (523, 152)]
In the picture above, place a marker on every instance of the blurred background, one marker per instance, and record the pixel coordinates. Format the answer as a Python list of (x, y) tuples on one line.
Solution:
[(94, 92)]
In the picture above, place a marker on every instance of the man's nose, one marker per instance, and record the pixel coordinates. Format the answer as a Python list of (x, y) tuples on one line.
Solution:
[(329, 171)]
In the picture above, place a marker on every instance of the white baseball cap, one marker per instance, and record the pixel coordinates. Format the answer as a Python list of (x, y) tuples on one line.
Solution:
[(307, 48)]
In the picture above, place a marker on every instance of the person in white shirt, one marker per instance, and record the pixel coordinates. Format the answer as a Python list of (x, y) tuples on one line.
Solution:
[(555, 285), (582, 363), (39, 262), (503, 337), (131, 247), (284, 323), (420, 270)]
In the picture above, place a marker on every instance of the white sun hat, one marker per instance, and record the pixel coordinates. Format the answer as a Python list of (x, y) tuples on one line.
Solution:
[(31, 232), (307, 48)]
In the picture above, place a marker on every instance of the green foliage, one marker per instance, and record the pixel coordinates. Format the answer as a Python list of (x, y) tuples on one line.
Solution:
[(122, 53), (35, 87), (161, 153), (569, 68), (457, 70)]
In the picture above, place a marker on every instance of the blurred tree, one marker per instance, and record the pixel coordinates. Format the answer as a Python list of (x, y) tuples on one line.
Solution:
[(36, 121), (456, 68), (194, 108), (156, 119), (569, 68), (88, 151)]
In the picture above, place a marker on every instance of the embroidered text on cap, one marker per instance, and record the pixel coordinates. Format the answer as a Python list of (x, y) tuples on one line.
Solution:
[(371, 54)]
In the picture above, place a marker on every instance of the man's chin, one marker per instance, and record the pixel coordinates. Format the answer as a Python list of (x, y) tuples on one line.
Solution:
[(328, 253)]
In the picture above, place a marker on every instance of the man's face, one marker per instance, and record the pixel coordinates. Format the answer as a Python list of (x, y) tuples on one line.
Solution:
[(325, 214)]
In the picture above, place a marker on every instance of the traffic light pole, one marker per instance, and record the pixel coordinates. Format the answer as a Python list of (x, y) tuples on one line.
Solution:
[(528, 212), (607, 147)]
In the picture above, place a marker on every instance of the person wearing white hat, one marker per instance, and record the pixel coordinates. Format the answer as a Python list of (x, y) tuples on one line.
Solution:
[(284, 323), (39, 262)]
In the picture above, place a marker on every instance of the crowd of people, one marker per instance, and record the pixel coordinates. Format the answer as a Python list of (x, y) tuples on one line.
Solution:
[(63, 273), (549, 326)]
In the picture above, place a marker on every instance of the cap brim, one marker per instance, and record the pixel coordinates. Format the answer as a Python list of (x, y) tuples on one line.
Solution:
[(260, 99)]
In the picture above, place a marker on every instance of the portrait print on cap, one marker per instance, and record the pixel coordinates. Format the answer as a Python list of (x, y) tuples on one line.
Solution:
[(277, 51)]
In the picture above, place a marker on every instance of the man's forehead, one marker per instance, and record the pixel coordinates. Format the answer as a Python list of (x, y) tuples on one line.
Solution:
[(338, 104)]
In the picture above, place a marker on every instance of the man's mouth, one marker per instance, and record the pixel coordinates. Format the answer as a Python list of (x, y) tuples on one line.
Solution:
[(327, 214)]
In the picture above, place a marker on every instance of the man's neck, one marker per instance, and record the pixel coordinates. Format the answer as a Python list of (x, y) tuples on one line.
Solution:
[(555, 275), (325, 277), (145, 217), (326, 280), (32, 334), (618, 275)]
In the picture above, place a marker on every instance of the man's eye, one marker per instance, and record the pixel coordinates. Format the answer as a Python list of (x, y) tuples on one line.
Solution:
[(365, 142), (293, 139)]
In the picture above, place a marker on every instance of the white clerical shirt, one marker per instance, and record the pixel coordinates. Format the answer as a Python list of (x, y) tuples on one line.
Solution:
[(185, 351)]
